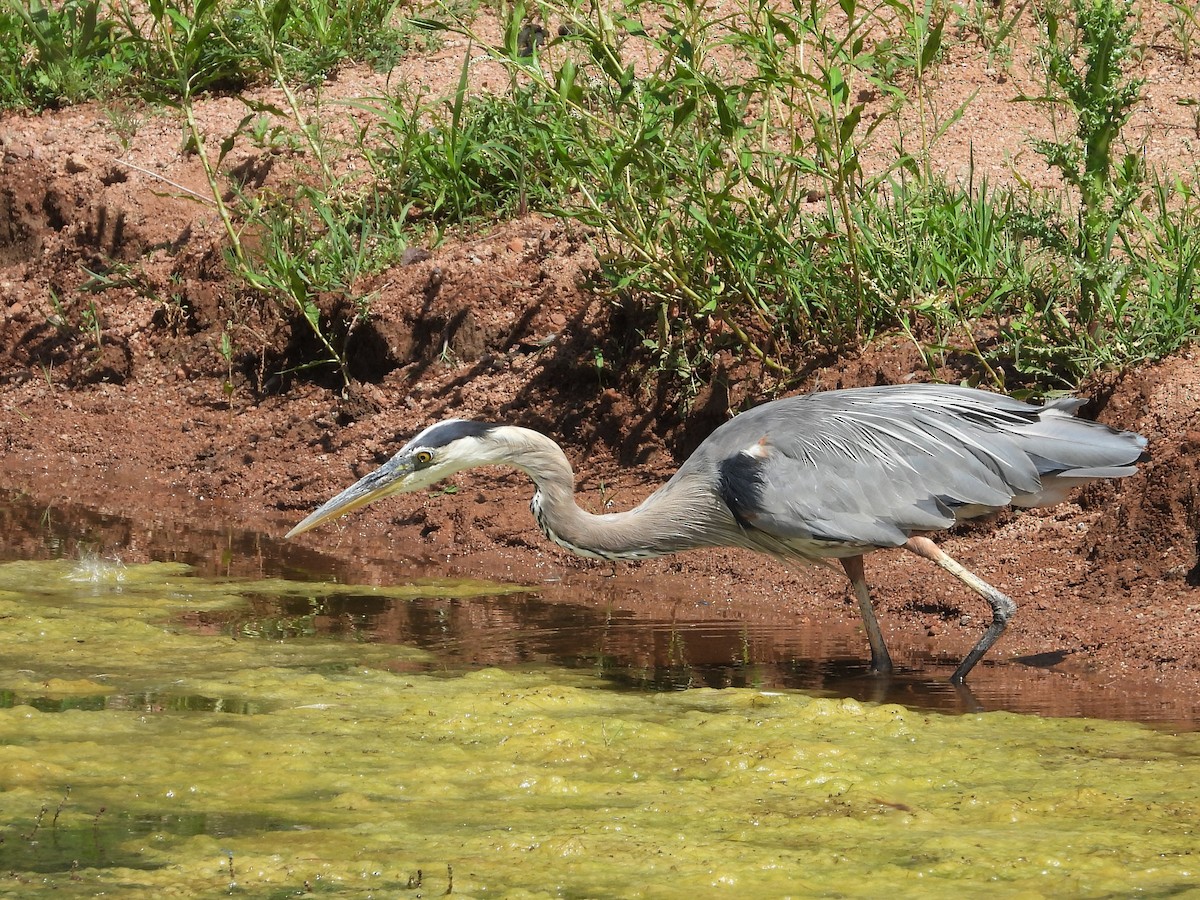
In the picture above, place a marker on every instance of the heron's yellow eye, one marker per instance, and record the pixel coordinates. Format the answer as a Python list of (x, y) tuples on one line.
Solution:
[(424, 457)]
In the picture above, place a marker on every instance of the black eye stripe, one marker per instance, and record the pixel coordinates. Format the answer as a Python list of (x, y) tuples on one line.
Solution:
[(445, 433)]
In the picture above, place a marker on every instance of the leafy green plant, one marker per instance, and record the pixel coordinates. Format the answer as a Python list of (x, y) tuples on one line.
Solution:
[(460, 159), (1099, 97), (225, 348), (314, 247), (272, 21), (318, 239), (732, 207), (59, 55), (91, 324), (265, 132), (124, 121), (1166, 316), (993, 22), (192, 56), (701, 182)]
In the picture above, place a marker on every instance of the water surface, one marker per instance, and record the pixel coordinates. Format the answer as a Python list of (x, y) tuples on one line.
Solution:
[(605, 633), (172, 734)]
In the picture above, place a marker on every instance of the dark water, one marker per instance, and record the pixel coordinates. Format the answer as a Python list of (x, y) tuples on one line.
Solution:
[(619, 645)]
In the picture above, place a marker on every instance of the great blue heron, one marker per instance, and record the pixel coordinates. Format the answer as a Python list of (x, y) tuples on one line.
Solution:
[(804, 479)]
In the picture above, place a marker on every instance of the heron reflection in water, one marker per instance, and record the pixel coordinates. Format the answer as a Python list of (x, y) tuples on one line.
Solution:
[(831, 475)]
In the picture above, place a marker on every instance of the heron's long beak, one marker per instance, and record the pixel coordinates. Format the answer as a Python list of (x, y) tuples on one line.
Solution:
[(388, 479)]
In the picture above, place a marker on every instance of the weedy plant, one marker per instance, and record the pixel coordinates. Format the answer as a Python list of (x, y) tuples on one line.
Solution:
[(447, 162), (993, 23), (1099, 96), (316, 238), (193, 55), (319, 239), (1164, 315), (273, 22), (314, 36), (316, 244), (1101, 251), (720, 197)]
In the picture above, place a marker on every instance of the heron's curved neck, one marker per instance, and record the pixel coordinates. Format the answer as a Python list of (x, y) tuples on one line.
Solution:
[(663, 523)]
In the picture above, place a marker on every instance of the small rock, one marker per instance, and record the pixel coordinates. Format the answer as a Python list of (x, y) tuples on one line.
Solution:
[(413, 255), (76, 164)]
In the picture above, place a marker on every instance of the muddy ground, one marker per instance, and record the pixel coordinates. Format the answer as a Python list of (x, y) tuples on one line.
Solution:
[(114, 395)]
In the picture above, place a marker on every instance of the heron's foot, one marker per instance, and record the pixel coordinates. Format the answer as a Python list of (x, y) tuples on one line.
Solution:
[(881, 664)]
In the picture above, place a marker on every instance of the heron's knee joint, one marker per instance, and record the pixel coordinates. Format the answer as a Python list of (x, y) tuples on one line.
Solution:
[(1003, 608)]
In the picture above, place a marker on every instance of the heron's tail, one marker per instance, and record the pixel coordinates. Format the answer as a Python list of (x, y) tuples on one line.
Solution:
[(1069, 452)]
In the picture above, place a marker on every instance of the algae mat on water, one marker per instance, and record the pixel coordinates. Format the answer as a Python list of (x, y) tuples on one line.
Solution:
[(311, 765)]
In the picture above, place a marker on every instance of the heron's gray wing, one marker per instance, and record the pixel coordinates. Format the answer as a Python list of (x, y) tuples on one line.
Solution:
[(871, 466), (852, 467), (1050, 435), (1065, 452)]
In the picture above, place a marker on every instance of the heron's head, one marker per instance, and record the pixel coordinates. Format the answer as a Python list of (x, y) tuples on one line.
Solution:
[(436, 453)]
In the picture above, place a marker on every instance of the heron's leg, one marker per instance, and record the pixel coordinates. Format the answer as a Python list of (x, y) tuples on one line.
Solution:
[(881, 662), (1002, 605)]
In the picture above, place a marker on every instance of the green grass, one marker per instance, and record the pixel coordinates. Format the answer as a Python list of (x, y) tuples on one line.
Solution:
[(58, 53)]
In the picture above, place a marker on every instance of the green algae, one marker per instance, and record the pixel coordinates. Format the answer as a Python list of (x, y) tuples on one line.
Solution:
[(337, 775)]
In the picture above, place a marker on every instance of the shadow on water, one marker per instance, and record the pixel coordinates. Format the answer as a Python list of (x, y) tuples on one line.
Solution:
[(628, 648)]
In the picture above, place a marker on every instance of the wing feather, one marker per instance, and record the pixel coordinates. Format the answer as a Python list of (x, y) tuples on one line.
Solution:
[(870, 467)]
